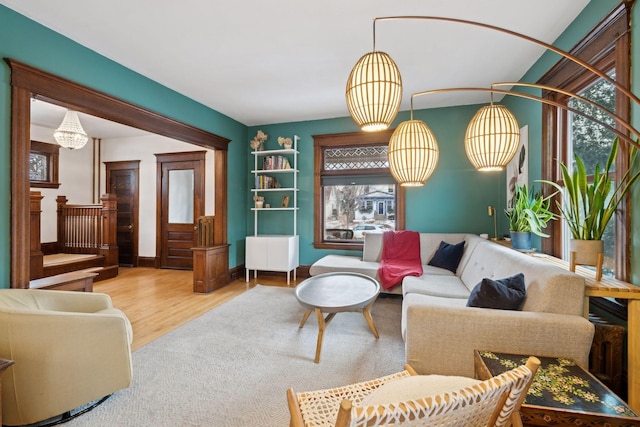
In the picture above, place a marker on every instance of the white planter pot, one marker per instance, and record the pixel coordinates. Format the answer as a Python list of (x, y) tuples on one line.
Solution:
[(586, 251)]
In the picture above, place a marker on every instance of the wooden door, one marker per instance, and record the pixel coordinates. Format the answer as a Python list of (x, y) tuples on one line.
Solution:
[(122, 179), (180, 203)]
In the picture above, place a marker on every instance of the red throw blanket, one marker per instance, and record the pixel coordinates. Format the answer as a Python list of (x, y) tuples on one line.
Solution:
[(400, 257)]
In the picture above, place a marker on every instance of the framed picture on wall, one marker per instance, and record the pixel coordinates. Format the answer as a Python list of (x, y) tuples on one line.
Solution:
[(518, 168)]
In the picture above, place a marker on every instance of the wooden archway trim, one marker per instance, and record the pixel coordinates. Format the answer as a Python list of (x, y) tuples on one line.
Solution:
[(26, 82)]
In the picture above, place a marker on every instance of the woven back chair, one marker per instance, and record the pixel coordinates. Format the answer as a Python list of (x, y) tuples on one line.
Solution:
[(494, 402)]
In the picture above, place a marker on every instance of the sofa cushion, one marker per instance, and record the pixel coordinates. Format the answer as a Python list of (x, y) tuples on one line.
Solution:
[(449, 286), (505, 294), (372, 248), (448, 256), (430, 242), (349, 264), (420, 300), (550, 289)]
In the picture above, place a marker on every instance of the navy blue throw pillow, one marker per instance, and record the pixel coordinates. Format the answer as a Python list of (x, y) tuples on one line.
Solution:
[(448, 256), (504, 294)]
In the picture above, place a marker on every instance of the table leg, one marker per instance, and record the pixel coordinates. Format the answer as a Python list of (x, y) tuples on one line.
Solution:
[(633, 354), (304, 318), (366, 312), (321, 326)]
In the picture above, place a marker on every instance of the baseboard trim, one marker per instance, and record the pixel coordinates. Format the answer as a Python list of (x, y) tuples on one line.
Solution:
[(149, 262), (302, 272)]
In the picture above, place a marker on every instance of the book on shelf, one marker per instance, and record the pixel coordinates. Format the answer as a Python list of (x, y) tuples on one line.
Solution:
[(275, 163), (265, 181)]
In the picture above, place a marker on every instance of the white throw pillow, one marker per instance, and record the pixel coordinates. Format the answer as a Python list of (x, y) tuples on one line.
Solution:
[(416, 387)]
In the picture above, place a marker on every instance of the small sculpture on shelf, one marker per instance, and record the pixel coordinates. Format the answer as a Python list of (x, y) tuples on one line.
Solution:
[(286, 142), (257, 143)]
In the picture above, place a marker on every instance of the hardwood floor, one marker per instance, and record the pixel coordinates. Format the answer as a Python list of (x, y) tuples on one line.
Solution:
[(157, 301)]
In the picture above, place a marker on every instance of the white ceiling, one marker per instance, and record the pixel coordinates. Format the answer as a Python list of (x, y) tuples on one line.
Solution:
[(263, 62)]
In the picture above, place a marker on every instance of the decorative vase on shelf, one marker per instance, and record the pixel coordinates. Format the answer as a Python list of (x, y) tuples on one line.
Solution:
[(259, 204), (521, 240), (287, 146)]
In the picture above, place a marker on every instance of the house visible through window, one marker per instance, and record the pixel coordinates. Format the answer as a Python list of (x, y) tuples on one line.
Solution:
[(355, 192)]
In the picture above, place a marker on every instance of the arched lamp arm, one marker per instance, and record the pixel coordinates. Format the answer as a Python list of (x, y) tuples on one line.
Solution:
[(548, 46), (622, 122), (620, 134)]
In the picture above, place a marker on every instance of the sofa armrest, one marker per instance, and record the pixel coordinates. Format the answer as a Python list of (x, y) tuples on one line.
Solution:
[(441, 340), (70, 301), (80, 357)]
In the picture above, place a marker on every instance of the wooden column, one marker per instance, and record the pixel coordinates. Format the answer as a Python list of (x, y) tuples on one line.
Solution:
[(109, 245), (61, 202), (36, 255)]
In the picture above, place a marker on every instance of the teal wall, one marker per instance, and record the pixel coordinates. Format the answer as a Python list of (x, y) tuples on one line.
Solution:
[(454, 199), (26, 41)]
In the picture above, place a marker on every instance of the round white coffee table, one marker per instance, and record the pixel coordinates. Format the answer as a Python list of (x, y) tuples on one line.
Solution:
[(335, 293)]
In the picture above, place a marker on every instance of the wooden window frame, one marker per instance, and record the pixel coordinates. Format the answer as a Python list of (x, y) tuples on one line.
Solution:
[(606, 47), (351, 139), (52, 153)]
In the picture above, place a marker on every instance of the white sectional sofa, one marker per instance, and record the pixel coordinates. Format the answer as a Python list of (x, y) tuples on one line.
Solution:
[(441, 332)]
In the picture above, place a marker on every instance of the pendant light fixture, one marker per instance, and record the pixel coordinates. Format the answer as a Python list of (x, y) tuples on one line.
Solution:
[(492, 138), (374, 91), (70, 134), (413, 153)]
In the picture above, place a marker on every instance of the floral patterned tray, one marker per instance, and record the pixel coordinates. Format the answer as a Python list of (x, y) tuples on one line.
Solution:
[(561, 384)]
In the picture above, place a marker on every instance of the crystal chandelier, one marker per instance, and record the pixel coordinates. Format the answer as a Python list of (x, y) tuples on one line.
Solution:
[(70, 134)]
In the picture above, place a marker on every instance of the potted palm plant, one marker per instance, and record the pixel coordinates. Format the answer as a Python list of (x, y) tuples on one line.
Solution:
[(589, 206), (530, 214)]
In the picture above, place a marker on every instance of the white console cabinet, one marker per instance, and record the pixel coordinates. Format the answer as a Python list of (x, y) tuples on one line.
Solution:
[(272, 253)]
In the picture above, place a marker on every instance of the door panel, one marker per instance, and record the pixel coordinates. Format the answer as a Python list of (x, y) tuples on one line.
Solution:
[(181, 203), (122, 178)]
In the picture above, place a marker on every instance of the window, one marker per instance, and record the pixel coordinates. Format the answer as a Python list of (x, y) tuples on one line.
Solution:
[(43, 165), (592, 143), (355, 193), (607, 48)]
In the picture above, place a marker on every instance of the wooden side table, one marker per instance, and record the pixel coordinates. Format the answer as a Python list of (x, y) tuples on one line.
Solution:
[(612, 288), (210, 268), (562, 393), (4, 364)]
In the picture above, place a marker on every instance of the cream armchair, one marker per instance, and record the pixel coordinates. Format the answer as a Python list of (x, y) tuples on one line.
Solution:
[(69, 348)]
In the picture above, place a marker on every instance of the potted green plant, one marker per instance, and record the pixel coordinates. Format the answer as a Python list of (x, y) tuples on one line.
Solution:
[(588, 207), (530, 214)]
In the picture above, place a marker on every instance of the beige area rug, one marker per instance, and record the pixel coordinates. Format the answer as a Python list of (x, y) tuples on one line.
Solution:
[(232, 365)]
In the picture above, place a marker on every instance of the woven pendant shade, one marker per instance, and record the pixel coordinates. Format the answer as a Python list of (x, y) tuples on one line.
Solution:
[(70, 134), (492, 138), (413, 153), (374, 91)]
